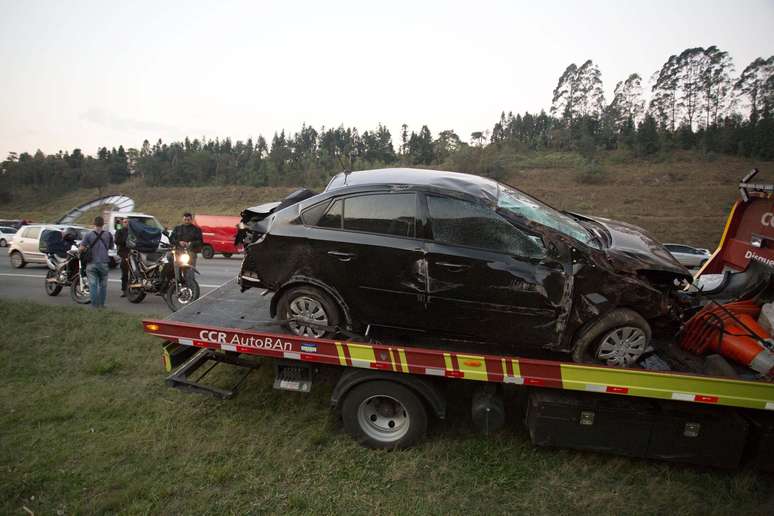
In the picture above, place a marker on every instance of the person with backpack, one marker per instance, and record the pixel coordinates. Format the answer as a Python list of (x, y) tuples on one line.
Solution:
[(95, 246)]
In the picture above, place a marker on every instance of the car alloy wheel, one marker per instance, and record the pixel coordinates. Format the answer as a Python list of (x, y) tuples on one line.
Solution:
[(306, 315), (622, 346)]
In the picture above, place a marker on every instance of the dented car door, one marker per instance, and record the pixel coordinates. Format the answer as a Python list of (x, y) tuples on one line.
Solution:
[(487, 278)]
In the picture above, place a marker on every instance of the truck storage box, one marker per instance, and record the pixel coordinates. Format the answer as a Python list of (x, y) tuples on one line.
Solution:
[(606, 423), (665, 430), (702, 435), (760, 450)]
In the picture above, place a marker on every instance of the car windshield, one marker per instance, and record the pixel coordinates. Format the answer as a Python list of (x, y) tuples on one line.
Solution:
[(149, 221), (521, 205)]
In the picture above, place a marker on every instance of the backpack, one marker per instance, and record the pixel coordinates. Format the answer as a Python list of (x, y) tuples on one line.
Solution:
[(142, 238), (51, 242)]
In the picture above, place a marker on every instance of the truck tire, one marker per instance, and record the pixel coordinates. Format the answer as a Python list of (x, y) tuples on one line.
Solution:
[(208, 252), (617, 338), (384, 414), (310, 303)]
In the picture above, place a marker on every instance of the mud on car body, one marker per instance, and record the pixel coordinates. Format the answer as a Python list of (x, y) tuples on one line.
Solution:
[(464, 257)]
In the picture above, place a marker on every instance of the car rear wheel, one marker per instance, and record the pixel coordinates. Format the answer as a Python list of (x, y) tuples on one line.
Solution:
[(227, 255), (618, 338), (309, 312), (17, 260), (208, 252)]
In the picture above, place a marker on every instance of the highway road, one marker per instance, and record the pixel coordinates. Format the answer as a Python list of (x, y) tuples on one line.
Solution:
[(27, 284)]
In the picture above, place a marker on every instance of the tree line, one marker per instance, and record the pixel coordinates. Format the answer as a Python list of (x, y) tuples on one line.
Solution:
[(695, 102)]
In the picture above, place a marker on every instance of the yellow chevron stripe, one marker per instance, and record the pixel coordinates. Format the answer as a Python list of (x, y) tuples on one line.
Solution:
[(340, 351), (403, 360)]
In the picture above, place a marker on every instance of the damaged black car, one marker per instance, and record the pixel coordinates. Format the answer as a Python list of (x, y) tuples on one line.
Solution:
[(462, 257)]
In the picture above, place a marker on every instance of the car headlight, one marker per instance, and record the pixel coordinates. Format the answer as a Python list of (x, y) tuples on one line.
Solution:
[(184, 259)]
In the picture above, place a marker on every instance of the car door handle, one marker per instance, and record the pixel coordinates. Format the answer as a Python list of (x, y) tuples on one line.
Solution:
[(342, 256), (453, 267)]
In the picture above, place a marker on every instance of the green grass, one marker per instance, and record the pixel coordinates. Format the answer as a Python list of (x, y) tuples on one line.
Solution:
[(87, 426)]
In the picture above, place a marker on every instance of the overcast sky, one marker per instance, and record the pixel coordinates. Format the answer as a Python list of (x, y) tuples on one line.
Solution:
[(88, 74)]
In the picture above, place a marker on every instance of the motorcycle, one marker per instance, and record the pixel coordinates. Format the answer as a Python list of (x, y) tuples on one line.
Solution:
[(67, 272), (171, 276)]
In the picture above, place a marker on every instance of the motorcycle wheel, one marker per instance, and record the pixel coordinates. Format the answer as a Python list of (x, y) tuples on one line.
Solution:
[(52, 288), (176, 297), (79, 291)]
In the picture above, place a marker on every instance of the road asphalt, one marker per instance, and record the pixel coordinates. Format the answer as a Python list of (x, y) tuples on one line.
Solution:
[(27, 283)]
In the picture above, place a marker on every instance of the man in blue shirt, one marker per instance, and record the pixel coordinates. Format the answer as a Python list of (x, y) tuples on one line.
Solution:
[(96, 244)]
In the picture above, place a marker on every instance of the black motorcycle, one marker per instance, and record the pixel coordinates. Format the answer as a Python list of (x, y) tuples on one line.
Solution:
[(67, 271), (168, 274)]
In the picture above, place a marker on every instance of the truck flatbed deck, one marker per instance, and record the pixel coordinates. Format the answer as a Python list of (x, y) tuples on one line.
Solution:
[(229, 320)]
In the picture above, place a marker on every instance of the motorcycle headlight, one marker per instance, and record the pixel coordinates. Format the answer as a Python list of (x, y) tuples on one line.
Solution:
[(184, 259)]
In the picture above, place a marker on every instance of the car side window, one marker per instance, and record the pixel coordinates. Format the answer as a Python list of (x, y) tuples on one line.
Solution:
[(459, 222), (385, 214), (332, 216)]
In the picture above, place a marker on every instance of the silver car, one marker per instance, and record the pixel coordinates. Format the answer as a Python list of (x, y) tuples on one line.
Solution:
[(690, 257), (25, 245), (6, 235)]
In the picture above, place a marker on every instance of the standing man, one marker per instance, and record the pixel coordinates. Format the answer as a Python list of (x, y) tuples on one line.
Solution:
[(96, 244), (122, 233), (187, 236)]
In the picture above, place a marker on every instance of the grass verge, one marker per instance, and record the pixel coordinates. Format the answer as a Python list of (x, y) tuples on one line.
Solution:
[(87, 425)]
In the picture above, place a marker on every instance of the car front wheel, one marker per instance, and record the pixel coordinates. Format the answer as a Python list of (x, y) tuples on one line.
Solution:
[(618, 338), (309, 312), (3, 243)]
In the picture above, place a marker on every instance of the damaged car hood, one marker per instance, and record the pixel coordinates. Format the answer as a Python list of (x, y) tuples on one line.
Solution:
[(629, 244)]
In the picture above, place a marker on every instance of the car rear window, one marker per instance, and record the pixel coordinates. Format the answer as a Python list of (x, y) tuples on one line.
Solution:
[(459, 222), (386, 214)]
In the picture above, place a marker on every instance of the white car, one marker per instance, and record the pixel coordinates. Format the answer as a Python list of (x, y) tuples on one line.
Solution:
[(25, 245), (6, 235), (690, 257)]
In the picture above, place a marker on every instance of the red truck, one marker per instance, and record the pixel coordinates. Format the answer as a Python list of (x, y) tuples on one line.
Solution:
[(218, 232)]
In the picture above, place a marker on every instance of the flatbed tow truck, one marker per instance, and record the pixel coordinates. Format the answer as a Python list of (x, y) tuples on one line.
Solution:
[(385, 392)]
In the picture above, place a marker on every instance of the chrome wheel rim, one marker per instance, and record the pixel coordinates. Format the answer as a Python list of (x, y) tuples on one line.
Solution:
[(16, 260), (622, 347), (305, 314), (383, 418)]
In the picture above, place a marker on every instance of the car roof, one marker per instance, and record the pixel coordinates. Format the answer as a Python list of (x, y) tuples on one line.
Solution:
[(477, 186), (130, 214)]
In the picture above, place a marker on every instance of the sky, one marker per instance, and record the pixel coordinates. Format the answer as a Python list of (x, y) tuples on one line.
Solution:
[(89, 74)]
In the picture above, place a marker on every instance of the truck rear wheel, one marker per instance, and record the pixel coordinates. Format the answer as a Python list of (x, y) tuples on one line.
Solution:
[(384, 414), (208, 252)]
